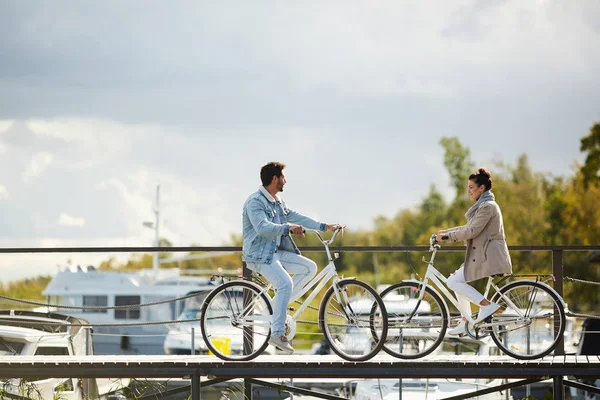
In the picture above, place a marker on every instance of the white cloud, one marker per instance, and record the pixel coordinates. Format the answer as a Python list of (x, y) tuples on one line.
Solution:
[(190, 211), (68, 220), (91, 141), (3, 192), (4, 124), (37, 165)]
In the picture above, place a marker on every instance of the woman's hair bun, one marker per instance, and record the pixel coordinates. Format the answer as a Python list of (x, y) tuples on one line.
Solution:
[(484, 172)]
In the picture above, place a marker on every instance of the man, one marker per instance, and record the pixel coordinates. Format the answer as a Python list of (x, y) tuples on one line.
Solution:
[(269, 250)]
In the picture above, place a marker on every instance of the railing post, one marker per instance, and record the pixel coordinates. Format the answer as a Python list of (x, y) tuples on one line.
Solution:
[(248, 332), (559, 388), (193, 340), (558, 272), (195, 386)]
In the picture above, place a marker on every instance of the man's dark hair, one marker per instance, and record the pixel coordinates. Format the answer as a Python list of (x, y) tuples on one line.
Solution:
[(269, 170)]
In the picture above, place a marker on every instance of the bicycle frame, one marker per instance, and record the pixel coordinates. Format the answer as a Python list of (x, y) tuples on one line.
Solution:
[(318, 282), (440, 281)]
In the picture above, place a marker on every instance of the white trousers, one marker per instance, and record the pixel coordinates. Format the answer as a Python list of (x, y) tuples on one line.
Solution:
[(465, 293)]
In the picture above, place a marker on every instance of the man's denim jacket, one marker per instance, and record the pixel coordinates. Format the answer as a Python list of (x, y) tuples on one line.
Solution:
[(262, 229)]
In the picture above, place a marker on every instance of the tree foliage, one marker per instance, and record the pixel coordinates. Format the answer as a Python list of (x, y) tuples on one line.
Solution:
[(590, 144)]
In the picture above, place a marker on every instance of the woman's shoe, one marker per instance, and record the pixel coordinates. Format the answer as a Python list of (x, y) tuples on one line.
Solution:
[(459, 330), (486, 311)]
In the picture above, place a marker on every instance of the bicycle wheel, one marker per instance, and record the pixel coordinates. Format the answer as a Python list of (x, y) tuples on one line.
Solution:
[(536, 328), (415, 328), (236, 321), (349, 316)]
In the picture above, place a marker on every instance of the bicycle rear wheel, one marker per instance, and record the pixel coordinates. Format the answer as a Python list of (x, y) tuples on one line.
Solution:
[(236, 321), (536, 328), (415, 328), (353, 319)]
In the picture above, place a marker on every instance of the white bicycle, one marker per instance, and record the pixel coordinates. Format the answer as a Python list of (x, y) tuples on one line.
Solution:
[(530, 325), (236, 316)]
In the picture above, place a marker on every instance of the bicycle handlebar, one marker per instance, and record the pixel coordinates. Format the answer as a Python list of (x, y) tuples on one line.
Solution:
[(433, 242), (324, 241)]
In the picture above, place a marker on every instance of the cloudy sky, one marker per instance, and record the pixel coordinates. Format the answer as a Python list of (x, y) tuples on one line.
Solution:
[(102, 101)]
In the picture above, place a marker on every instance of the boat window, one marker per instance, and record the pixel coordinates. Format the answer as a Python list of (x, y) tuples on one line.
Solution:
[(130, 312), (95, 301), (10, 347), (190, 313), (51, 351)]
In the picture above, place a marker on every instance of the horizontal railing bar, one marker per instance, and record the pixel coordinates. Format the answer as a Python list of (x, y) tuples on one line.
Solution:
[(582, 386), (149, 249)]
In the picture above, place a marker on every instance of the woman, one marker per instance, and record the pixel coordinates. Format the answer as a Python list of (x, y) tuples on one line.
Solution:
[(487, 253)]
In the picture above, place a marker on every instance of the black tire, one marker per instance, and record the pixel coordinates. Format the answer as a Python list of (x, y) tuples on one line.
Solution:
[(543, 327), (348, 321), (427, 326), (242, 339)]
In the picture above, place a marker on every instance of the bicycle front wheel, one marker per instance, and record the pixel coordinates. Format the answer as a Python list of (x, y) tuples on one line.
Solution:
[(353, 319), (535, 327), (236, 321), (415, 328)]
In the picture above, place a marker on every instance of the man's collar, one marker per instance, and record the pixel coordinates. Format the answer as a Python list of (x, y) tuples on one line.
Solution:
[(266, 193)]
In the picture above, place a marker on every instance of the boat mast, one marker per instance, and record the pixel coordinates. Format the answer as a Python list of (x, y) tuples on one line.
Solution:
[(156, 237)]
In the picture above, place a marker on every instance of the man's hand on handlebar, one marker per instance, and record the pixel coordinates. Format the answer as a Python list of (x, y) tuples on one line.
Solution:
[(333, 227), (297, 230)]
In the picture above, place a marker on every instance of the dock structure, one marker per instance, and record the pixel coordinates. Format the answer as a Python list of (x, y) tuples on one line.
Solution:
[(202, 370)]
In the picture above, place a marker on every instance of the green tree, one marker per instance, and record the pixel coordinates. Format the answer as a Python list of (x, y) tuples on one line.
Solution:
[(591, 145), (458, 163), (457, 159)]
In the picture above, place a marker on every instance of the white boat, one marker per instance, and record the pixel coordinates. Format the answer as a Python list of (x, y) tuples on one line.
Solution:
[(29, 333), (179, 337), (98, 288)]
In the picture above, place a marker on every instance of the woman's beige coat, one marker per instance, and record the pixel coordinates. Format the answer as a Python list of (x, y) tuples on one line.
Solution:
[(487, 253)]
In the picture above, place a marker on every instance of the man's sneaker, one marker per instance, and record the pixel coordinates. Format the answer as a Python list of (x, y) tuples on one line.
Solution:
[(459, 330), (486, 311), (282, 343)]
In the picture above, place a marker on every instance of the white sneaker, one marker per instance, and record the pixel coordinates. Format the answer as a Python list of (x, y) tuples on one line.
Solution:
[(459, 330), (486, 311), (282, 343)]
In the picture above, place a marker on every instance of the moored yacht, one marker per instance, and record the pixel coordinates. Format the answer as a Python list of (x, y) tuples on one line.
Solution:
[(90, 287)]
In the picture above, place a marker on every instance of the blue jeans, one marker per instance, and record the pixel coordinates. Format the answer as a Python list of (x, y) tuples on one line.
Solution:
[(286, 288)]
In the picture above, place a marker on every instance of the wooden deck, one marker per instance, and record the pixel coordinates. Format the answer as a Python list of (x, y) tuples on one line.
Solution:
[(299, 366)]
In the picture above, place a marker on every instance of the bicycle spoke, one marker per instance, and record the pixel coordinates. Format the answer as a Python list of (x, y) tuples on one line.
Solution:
[(415, 328), (535, 327), (236, 321), (352, 319)]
